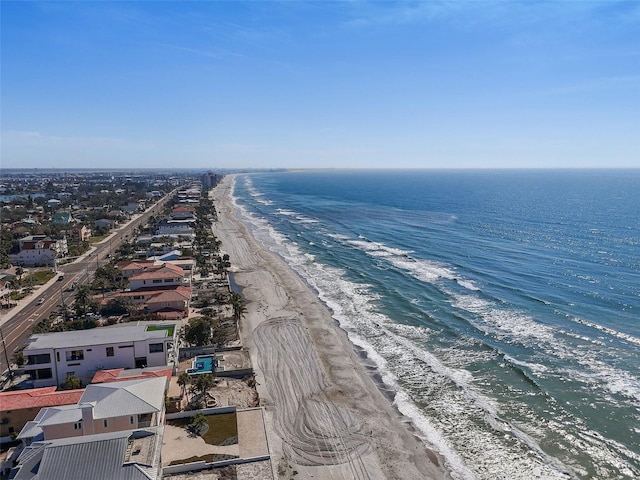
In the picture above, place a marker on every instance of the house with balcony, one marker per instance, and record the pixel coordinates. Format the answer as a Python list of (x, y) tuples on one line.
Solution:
[(175, 230), (81, 233), (166, 302), (21, 406), (182, 212), (102, 408), (39, 250), (123, 455), (51, 357), (114, 431), (154, 276)]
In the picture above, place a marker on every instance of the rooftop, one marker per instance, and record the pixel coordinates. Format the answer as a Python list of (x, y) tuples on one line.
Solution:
[(38, 398), (95, 336)]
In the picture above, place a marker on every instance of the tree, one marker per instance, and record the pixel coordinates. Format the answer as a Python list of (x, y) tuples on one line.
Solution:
[(183, 380), (116, 306), (203, 382), (83, 299), (72, 382), (19, 358), (198, 331), (19, 273), (198, 425), (238, 305)]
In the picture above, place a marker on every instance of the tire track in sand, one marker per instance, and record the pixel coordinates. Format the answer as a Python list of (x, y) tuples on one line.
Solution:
[(314, 430)]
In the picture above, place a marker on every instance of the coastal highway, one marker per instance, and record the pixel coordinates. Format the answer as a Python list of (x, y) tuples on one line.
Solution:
[(16, 328)]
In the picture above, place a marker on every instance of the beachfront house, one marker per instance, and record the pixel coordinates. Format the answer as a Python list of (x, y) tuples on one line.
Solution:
[(114, 431), (154, 276), (51, 357), (102, 408), (21, 406), (125, 455)]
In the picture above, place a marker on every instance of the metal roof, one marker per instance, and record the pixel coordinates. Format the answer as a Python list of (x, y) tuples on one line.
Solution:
[(129, 397), (94, 336), (96, 457)]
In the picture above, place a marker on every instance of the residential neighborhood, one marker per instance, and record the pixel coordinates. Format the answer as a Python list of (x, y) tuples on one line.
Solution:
[(139, 339)]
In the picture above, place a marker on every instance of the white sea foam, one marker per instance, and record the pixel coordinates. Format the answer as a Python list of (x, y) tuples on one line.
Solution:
[(535, 367), (300, 218), (609, 331), (424, 270), (397, 352), (523, 329)]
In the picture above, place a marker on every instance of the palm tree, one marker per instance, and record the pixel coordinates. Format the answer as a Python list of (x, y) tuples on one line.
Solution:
[(238, 305), (201, 386), (19, 272), (82, 300), (183, 380), (239, 310)]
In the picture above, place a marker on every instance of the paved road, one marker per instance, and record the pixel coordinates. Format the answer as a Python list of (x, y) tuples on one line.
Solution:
[(16, 329)]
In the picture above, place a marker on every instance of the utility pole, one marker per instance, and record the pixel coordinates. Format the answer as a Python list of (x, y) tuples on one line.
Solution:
[(64, 308), (6, 356)]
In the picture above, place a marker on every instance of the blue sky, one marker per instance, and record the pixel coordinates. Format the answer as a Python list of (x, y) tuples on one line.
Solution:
[(320, 84)]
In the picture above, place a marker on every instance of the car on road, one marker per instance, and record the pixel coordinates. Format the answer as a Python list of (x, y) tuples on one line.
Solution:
[(40, 301)]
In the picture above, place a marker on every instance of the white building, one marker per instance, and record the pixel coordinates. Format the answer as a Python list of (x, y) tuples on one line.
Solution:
[(175, 229), (39, 250), (51, 357)]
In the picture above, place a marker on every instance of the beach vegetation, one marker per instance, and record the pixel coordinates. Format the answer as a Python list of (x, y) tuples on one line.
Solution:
[(201, 331), (223, 428), (72, 382), (198, 425)]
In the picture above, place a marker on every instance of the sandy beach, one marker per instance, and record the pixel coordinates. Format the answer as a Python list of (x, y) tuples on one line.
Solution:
[(326, 417)]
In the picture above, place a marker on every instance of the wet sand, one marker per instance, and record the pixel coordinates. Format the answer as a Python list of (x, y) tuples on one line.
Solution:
[(326, 416)]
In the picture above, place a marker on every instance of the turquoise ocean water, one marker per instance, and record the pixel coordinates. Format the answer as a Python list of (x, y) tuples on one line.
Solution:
[(501, 307)]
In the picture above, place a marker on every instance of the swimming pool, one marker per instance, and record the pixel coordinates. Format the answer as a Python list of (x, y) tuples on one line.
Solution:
[(202, 364)]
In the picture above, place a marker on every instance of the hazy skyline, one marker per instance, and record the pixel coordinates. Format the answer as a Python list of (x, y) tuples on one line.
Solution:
[(320, 84)]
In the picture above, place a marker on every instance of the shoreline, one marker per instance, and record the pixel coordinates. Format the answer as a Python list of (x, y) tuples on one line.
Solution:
[(328, 413)]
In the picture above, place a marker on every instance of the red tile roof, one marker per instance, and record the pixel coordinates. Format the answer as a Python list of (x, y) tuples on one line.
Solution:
[(166, 270), (129, 264), (38, 398), (120, 374)]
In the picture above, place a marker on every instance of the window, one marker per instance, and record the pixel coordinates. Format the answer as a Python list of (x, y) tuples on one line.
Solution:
[(75, 355), (105, 423), (110, 352), (58, 356), (77, 426), (40, 374), (39, 359), (168, 280), (156, 347), (130, 419), (157, 281)]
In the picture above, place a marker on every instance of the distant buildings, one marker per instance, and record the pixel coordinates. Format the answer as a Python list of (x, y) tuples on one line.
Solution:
[(210, 180)]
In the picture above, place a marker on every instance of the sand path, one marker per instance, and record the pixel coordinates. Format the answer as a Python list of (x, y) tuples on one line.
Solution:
[(325, 416)]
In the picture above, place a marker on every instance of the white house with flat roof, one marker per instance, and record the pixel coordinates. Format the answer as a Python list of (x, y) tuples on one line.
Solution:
[(51, 357)]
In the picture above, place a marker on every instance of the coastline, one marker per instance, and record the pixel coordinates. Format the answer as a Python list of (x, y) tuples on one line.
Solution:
[(325, 415)]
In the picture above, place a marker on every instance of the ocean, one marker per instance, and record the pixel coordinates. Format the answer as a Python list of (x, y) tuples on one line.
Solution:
[(501, 307)]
